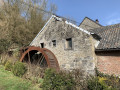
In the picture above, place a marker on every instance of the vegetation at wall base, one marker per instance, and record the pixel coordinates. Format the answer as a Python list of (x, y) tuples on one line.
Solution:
[(62, 80), (19, 69), (57, 81), (103, 82)]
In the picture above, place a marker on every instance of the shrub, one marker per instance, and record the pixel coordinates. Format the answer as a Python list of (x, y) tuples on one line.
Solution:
[(19, 69), (57, 81), (8, 66), (80, 79), (113, 82), (95, 84), (103, 82)]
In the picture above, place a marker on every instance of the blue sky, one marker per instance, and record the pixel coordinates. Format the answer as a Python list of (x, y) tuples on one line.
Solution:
[(106, 11)]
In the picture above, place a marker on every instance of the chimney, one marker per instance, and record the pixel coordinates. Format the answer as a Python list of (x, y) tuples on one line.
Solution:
[(96, 21)]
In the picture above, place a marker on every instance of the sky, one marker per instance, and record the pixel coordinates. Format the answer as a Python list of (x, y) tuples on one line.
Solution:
[(106, 11)]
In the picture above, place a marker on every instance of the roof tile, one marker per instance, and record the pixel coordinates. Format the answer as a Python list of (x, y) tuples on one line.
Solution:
[(110, 36)]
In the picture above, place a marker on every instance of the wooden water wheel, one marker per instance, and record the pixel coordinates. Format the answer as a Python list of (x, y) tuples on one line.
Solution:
[(50, 58)]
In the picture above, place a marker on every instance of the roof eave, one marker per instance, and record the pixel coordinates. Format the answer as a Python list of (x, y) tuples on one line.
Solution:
[(110, 49)]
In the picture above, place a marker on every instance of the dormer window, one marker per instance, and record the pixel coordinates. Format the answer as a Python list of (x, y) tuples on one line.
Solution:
[(54, 43)]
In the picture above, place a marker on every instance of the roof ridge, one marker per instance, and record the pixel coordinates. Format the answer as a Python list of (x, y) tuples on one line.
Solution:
[(73, 25)]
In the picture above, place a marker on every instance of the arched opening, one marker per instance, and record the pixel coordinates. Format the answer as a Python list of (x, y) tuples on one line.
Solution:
[(39, 56), (35, 58)]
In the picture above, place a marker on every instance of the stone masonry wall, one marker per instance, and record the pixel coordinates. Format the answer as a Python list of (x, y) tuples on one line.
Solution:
[(88, 24), (81, 56)]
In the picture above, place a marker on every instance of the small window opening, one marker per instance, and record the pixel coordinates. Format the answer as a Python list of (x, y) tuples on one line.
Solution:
[(69, 43), (42, 45), (54, 43)]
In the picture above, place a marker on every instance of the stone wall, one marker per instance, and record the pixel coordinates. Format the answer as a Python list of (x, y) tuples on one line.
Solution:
[(109, 62), (81, 56), (88, 24)]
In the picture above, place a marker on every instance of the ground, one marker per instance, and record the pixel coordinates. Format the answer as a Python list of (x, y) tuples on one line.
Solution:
[(10, 82)]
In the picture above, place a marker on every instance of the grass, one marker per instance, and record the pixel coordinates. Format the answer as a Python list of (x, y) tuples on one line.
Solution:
[(10, 82)]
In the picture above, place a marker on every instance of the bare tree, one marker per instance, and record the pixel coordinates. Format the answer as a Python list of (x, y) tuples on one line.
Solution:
[(21, 20)]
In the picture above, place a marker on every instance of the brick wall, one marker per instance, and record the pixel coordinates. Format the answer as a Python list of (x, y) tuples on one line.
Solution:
[(109, 62)]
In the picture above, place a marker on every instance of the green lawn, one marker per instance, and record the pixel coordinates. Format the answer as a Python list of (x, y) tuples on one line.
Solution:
[(10, 82)]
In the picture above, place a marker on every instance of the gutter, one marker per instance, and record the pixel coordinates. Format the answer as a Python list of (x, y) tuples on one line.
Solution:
[(75, 26), (112, 49)]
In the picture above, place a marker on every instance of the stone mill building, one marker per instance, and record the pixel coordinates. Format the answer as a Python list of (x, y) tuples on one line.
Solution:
[(84, 47), (72, 45)]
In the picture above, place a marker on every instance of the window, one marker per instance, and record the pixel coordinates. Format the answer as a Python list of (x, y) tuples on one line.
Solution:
[(69, 43), (42, 45), (54, 43)]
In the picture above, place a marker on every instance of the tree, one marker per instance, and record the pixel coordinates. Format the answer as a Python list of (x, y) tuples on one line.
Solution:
[(21, 20)]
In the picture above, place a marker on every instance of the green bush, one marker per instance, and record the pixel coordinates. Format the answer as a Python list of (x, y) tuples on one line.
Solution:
[(103, 82), (8, 66), (57, 81), (113, 82), (19, 69), (95, 84)]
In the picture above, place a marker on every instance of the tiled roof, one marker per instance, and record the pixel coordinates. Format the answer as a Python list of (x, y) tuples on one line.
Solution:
[(110, 37)]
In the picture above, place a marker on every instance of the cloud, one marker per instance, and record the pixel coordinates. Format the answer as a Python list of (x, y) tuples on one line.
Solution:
[(112, 18), (112, 15), (113, 21)]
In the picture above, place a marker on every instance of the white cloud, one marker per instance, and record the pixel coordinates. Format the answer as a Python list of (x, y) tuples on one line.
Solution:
[(113, 21), (112, 18), (112, 15)]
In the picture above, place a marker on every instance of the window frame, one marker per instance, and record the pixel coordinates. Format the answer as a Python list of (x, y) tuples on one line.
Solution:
[(54, 43), (42, 45), (68, 44)]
